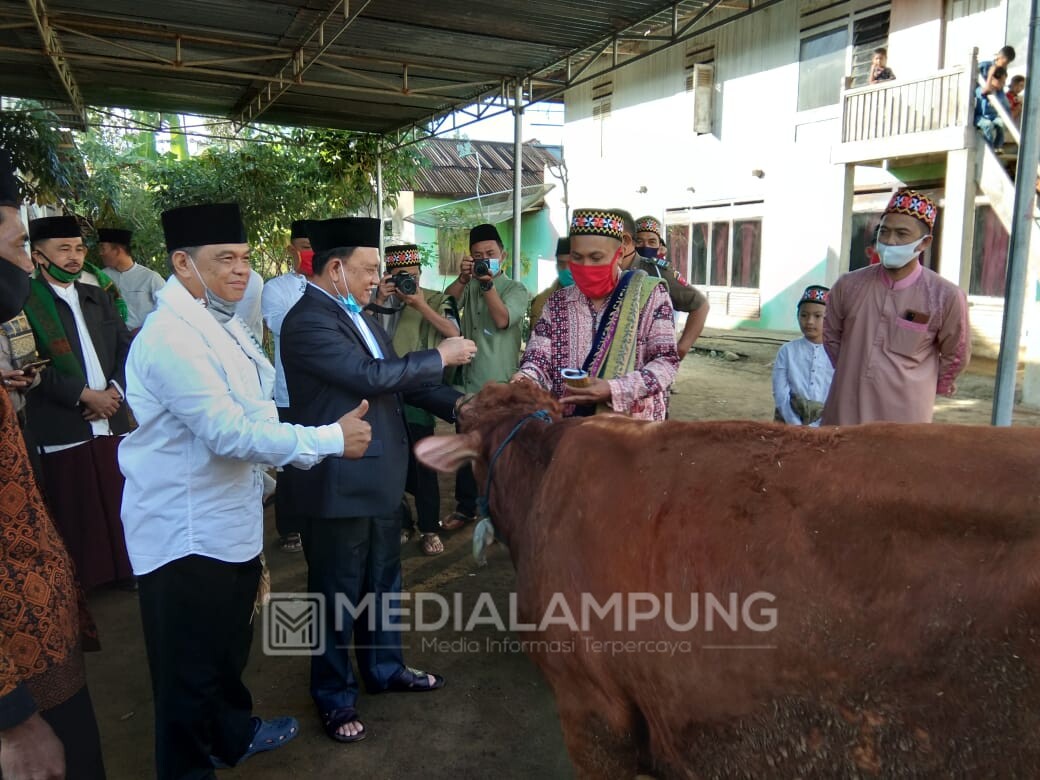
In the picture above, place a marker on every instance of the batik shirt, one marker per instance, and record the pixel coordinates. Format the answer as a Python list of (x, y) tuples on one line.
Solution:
[(563, 337)]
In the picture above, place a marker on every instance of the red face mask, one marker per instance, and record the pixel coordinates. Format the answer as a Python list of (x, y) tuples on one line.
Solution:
[(306, 262), (596, 281)]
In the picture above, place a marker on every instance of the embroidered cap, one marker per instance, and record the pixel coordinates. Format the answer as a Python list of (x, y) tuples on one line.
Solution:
[(814, 293), (402, 256), (597, 222), (649, 225), (913, 204)]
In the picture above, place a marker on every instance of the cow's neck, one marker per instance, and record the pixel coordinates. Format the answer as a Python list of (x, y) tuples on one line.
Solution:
[(518, 474)]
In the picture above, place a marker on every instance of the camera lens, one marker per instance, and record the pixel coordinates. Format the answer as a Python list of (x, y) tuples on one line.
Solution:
[(481, 268), (405, 283)]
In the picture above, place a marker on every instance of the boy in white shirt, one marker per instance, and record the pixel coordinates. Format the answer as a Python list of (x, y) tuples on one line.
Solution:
[(802, 372)]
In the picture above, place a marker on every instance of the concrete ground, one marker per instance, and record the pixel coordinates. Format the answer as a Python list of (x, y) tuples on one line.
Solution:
[(495, 717)]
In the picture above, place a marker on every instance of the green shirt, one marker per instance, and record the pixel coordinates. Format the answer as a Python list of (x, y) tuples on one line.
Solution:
[(498, 351)]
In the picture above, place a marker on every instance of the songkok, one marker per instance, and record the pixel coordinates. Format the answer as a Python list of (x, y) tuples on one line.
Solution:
[(402, 256), (814, 293), (340, 232), (203, 225), (298, 229), (114, 236), (484, 233), (597, 222), (913, 204), (563, 246), (54, 227), (10, 192), (649, 225)]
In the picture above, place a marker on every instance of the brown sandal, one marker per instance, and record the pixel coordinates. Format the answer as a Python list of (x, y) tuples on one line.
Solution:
[(431, 544), (455, 521)]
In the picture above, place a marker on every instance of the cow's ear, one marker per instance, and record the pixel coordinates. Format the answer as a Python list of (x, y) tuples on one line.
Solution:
[(448, 454)]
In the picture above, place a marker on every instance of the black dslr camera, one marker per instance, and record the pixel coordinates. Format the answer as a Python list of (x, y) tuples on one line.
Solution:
[(481, 268), (405, 283)]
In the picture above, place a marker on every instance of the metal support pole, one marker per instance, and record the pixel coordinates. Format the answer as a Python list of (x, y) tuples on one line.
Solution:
[(379, 199), (1021, 229), (518, 172)]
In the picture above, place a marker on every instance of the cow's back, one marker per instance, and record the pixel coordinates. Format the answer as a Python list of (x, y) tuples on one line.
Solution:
[(899, 560)]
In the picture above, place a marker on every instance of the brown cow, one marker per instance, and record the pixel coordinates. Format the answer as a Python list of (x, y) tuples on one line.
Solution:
[(904, 562)]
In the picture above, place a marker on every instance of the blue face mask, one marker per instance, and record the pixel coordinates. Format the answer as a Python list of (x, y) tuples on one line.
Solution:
[(649, 252), (565, 276), (349, 302), (494, 264)]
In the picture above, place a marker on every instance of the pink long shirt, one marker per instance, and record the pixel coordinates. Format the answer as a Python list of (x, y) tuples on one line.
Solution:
[(887, 367)]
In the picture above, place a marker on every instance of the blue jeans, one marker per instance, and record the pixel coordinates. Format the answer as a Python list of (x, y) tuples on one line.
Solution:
[(992, 130)]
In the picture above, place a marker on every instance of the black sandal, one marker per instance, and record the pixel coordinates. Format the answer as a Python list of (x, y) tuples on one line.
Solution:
[(410, 680), (334, 719)]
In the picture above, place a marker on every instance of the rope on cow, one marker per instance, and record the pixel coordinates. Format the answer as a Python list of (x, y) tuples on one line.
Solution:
[(485, 530)]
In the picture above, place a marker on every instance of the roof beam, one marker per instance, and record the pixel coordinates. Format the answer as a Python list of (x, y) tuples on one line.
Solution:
[(54, 51), (338, 19)]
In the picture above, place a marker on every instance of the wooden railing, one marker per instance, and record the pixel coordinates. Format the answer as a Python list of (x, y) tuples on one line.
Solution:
[(939, 101)]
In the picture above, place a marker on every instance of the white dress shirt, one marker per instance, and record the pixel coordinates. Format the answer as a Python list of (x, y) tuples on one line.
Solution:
[(201, 393), (92, 365), (802, 368), (280, 294)]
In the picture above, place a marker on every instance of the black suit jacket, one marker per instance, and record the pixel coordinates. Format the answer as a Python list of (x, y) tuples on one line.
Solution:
[(329, 370), (55, 414)]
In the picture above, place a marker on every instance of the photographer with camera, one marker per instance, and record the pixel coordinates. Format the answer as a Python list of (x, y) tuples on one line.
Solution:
[(416, 319), (493, 308)]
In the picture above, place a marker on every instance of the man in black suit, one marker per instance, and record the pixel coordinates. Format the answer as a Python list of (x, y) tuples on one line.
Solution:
[(77, 414), (334, 356)]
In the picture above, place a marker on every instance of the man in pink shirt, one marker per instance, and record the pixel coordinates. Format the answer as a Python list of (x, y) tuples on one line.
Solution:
[(896, 332)]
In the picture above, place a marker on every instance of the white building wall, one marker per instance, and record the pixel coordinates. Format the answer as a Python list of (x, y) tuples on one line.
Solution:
[(646, 158)]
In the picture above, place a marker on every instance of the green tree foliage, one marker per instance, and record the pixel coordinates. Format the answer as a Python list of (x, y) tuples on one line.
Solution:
[(113, 176)]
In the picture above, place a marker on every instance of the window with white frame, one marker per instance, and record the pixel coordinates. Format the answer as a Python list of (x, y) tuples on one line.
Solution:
[(719, 248), (602, 94), (831, 50)]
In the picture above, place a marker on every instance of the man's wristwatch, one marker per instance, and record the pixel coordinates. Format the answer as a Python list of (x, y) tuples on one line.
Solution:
[(485, 286)]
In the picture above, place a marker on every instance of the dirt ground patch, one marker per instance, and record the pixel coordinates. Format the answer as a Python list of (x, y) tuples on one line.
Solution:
[(495, 717)]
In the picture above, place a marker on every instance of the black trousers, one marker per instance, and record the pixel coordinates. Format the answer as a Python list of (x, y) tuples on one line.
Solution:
[(196, 614), (466, 491), (351, 558), (422, 484), (74, 724), (286, 520)]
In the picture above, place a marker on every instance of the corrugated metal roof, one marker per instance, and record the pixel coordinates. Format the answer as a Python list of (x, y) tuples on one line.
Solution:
[(396, 63), (449, 173)]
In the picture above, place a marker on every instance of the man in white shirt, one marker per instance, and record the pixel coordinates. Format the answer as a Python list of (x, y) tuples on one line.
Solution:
[(201, 390), (137, 284), (281, 294), (77, 414)]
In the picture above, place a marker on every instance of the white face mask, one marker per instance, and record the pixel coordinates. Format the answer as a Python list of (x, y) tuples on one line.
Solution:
[(897, 255)]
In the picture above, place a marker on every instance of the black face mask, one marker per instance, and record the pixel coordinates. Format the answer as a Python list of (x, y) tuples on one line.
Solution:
[(14, 289)]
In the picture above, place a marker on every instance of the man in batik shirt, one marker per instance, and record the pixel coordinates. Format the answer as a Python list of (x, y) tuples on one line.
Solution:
[(614, 325)]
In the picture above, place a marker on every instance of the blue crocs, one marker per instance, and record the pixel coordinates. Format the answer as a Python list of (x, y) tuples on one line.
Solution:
[(267, 735)]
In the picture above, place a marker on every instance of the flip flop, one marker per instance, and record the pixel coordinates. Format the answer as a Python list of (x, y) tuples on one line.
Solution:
[(291, 543), (333, 719), (267, 735), (431, 544), (410, 680)]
